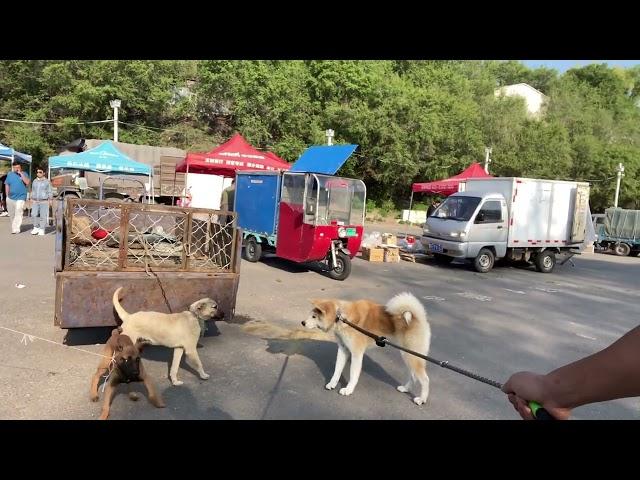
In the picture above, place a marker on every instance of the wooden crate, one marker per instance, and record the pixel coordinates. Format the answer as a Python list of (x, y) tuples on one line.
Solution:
[(373, 254), (391, 254)]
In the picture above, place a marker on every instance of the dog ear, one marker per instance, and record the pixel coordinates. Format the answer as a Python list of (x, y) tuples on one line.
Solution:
[(140, 344), (320, 304)]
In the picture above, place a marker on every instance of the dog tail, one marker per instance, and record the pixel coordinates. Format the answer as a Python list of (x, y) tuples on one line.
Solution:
[(122, 313), (418, 334)]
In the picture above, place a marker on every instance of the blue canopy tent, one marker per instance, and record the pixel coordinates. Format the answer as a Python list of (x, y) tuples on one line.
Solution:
[(105, 158), (11, 155)]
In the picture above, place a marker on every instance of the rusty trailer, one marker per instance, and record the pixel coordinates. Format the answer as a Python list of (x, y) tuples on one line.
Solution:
[(165, 257)]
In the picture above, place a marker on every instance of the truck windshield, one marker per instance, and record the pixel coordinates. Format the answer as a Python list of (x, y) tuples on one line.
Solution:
[(457, 208)]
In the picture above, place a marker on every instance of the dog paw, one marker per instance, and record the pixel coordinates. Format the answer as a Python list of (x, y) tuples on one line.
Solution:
[(418, 401), (345, 391), (94, 398), (133, 396), (177, 383), (402, 388), (205, 376), (104, 416), (330, 386)]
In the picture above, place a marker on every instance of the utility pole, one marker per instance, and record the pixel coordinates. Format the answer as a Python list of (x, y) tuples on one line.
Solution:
[(329, 134), (115, 104), (620, 170), (487, 160)]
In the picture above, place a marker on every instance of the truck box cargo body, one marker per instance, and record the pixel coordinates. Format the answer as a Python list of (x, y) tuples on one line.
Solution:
[(517, 218)]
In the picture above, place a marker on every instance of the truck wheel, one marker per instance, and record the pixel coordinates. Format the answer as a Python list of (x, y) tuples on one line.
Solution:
[(442, 259), (622, 249), (252, 250), (342, 268), (484, 261), (545, 261)]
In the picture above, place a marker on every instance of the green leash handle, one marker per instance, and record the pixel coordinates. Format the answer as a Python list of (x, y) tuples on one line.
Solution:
[(539, 413)]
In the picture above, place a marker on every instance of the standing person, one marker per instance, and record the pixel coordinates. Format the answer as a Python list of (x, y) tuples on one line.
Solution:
[(15, 189), (3, 197), (41, 198), (227, 200)]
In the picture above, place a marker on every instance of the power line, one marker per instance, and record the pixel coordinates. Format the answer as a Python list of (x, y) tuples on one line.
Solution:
[(53, 123)]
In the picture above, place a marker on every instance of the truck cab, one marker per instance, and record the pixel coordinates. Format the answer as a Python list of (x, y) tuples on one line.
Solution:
[(464, 224)]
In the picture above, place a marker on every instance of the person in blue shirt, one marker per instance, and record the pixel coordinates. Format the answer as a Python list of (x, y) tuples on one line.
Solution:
[(16, 194)]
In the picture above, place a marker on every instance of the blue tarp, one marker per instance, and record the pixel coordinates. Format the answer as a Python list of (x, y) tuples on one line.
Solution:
[(103, 158), (325, 159), (8, 153)]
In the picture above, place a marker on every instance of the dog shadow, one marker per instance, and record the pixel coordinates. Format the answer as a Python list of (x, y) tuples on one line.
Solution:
[(324, 356)]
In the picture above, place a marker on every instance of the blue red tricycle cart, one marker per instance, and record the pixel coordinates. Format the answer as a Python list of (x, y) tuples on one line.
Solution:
[(305, 214)]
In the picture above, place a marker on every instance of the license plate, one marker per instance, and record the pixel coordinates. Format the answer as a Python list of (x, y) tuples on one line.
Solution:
[(351, 232), (434, 247)]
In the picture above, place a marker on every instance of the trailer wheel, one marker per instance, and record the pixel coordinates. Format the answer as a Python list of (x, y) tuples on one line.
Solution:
[(252, 250), (545, 261), (622, 249), (342, 268), (484, 261)]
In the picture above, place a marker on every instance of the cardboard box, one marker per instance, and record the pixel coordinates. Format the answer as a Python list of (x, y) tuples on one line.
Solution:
[(373, 254), (389, 239), (392, 254)]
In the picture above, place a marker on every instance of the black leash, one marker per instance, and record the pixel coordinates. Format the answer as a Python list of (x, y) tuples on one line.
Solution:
[(538, 412)]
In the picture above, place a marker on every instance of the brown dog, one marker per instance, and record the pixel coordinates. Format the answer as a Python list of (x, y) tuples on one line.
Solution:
[(121, 364)]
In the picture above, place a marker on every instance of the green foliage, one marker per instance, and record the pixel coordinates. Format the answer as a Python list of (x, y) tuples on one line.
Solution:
[(413, 120)]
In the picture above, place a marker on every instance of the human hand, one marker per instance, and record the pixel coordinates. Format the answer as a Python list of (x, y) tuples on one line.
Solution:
[(524, 387)]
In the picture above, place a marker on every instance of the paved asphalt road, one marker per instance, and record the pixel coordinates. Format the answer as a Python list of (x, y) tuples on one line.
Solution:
[(494, 324)]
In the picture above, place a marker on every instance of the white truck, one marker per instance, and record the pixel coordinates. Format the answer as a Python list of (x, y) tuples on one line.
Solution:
[(520, 219)]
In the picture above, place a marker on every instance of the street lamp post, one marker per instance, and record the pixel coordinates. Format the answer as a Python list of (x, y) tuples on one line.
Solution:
[(115, 104), (329, 134), (620, 170), (487, 160)]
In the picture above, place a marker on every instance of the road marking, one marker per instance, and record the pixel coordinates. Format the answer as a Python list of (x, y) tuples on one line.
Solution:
[(475, 296), (434, 298), (585, 336), (515, 291), (548, 290)]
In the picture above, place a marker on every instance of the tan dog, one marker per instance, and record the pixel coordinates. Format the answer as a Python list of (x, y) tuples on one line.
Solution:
[(179, 331), (403, 318), (121, 364)]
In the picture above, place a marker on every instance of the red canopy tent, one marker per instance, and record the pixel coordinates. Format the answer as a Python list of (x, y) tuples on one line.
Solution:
[(236, 154), (450, 185)]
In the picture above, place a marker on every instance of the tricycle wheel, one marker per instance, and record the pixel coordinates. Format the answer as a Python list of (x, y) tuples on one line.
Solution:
[(342, 268), (252, 250)]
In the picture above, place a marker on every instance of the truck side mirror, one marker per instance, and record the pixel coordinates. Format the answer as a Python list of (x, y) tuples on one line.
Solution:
[(479, 217)]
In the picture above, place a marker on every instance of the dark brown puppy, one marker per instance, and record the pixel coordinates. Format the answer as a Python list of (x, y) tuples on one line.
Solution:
[(121, 363)]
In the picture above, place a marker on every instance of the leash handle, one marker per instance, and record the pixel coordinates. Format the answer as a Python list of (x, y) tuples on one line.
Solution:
[(539, 413)]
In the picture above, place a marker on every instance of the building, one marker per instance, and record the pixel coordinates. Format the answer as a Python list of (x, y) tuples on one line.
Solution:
[(534, 99)]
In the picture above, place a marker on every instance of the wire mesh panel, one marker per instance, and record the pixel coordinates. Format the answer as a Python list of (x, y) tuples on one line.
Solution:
[(93, 236), (211, 242), (156, 240), (136, 237)]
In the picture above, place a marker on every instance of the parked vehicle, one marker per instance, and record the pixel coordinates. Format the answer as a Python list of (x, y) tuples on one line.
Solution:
[(618, 231), (304, 216), (519, 219)]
